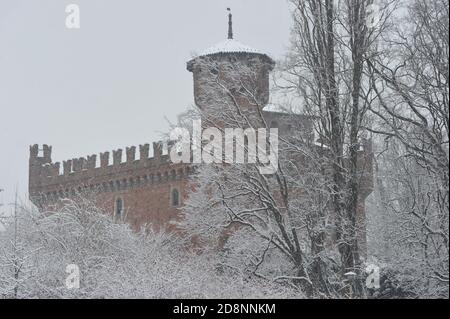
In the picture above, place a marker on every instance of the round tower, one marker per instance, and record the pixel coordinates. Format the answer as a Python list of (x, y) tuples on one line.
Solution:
[(231, 74)]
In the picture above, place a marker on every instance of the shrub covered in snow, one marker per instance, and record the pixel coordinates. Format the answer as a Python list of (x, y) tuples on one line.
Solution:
[(114, 261)]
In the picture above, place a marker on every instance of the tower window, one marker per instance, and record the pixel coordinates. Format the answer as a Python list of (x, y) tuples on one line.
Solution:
[(175, 197), (118, 211)]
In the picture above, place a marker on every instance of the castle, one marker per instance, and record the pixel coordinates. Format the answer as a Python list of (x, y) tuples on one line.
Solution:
[(151, 189)]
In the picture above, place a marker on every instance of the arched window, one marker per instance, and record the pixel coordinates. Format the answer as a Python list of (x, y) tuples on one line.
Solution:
[(118, 211), (175, 197)]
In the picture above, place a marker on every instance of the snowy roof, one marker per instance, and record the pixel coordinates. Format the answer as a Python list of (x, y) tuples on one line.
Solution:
[(275, 108), (230, 46)]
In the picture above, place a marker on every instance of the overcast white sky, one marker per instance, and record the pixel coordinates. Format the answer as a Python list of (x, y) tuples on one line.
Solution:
[(111, 83)]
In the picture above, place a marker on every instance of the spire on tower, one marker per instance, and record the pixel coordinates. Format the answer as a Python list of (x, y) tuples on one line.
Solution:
[(230, 24)]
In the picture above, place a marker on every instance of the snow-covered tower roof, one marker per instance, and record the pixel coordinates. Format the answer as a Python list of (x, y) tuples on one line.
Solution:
[(238, 67), (230, 46)]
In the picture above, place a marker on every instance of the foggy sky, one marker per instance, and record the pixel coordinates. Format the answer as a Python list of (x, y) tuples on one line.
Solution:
[(113, 82)]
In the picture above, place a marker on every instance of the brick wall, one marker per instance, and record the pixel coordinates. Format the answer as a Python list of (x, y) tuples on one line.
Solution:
[(145, 185)]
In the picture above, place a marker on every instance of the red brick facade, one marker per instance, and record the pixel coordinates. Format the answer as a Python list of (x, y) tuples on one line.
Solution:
[(146, 185)]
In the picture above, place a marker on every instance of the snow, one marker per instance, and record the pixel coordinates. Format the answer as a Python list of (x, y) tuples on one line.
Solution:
[(79, 251), (270, 107), (230, 46)]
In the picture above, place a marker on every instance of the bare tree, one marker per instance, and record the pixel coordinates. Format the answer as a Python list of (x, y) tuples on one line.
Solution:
[(326, 70), (284, 214), (410, 81)]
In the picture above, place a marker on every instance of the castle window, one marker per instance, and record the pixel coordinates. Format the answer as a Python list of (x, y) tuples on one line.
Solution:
[(118, 209), (175, 197)]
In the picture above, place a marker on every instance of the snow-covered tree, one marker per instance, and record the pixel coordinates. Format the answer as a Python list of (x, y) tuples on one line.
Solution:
[(410, 80), (113, 261)]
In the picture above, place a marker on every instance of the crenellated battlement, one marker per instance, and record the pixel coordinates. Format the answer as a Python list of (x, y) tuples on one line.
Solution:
[(110, 173), (75, 165)]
